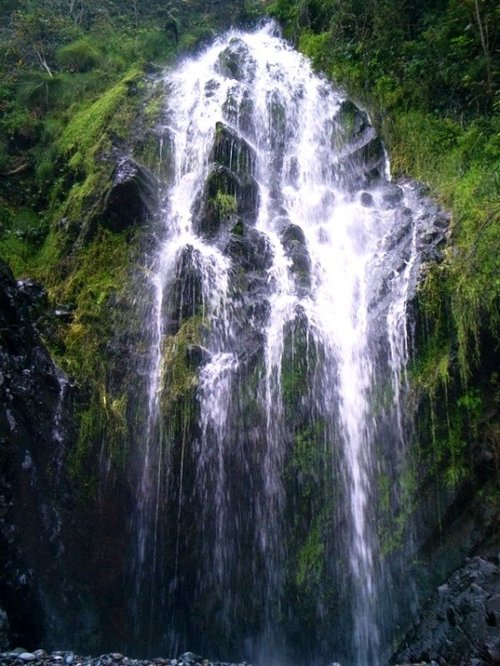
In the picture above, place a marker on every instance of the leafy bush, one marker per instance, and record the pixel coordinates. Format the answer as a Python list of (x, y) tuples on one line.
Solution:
[(79, 56), (154, 44), (38, 90)]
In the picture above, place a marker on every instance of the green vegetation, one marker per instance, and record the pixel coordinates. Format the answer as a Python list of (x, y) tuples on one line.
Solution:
[(224, 205), (178, 374), (72, 88), (74, 95), (311, 561), (429, 74)]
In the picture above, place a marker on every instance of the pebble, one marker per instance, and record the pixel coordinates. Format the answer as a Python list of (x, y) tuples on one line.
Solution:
[(39, 657), (40, 654)]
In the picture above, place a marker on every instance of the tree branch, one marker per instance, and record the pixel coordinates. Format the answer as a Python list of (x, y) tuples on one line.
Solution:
[(43, 62)]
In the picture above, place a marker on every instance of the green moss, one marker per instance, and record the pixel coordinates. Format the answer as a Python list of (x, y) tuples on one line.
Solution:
[(456, 162), (310, 561), (88, 131), (179, 377), (224, 205), (384, 496), (298, 360), (393, 520), (81, 464), (307, 458), (98, 272)]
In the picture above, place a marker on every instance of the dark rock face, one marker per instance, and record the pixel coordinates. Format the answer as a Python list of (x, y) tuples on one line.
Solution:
[(186, 290), (250, 249), (231, 192), (232, 151), (294, 242), (30, 522), (460, 625), (34, 297), (235, 61), (360, 151), (132, 198)]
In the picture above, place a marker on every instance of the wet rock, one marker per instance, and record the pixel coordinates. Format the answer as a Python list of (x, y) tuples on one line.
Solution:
[(372, 156), (249, 249), (294, 243), (4, 629), (292, 234), (459, 624), (114, 658), (231, 193), (132, 198), (29, 396), (278, 125), (361, 164), (65, 311), (238, 109), (185, 296), (226, 197), (366, 199), (197, 356), (34, 297), (352, 120), (392, 195), (233, 152), (235, 61), (190, 658), (433, 226)]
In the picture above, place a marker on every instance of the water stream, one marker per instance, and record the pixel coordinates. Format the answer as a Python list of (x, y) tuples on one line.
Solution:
[(296, 258)]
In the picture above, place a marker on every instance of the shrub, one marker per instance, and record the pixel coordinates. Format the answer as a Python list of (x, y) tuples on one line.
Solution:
[(79, 56)]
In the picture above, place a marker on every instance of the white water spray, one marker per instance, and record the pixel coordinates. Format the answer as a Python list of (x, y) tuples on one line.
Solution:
[(328, 217)]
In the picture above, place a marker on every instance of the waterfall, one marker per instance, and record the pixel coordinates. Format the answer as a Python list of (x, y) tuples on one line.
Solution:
[(284, 263)]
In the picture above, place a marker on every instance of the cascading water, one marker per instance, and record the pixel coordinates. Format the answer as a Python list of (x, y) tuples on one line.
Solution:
[(282, 273)]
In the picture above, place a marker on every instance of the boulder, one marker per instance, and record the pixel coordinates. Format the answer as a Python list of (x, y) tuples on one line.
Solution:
[(233, 152), (238, 109), (249, 249), (226, 197), (294, 243), (34, 297), (132, 198), (235, 61), (460, 624), (392, 195), (353, 121), (185, 296), (360, 152)]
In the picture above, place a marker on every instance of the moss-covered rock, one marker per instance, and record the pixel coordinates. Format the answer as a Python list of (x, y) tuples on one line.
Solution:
[(235, 61), (225, 195)]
